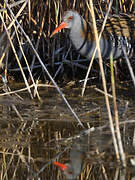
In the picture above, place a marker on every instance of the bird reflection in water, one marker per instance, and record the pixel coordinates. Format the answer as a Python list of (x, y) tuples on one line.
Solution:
[(83, 147)]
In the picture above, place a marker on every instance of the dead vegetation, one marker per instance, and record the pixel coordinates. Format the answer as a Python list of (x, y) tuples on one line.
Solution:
[(28, 54)]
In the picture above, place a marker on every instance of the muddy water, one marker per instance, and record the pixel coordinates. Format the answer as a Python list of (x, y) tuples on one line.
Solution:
[(47, 131)]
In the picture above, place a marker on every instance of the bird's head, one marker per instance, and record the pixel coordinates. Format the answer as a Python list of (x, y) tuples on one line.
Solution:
[(67, 21)]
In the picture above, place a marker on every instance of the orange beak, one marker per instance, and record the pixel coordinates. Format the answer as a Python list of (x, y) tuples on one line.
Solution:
[(61, 26), (63, 167)]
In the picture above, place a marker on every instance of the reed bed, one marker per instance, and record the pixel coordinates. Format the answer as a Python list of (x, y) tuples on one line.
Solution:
[(29, 54), (38, 19)]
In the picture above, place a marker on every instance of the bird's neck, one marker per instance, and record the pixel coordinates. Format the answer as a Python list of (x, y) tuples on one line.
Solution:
[(80, 28), (82, 34)]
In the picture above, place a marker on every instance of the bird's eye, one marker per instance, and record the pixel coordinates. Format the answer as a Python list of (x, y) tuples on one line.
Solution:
[(70, 18), (69, 172)]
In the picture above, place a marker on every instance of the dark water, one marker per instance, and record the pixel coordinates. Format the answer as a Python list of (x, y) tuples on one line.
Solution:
[(47, 130)]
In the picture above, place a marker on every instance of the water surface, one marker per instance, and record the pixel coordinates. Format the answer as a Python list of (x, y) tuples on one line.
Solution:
[(48, 130)]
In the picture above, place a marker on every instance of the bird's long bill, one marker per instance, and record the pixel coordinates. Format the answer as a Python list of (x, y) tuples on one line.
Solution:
[(61, 26), (63, 167)]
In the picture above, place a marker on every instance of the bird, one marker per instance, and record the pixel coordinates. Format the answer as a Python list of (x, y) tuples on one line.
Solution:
[(84, 145), (74, 167), (119, 31)]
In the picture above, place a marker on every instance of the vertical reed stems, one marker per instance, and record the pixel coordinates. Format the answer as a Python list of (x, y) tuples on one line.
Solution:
[(116, 117), (103, 79)]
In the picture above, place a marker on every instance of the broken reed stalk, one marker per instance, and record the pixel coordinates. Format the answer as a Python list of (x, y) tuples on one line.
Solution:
[(116, 117), (93, 56), (25, 89), (44, 67), (103, 79)]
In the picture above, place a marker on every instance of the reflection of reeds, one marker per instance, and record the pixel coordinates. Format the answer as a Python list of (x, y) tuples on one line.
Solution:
[(31, 148)]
